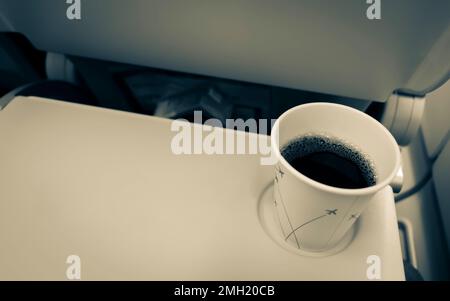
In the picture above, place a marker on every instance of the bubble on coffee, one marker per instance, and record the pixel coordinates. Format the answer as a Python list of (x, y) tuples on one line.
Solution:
[(330, 160)]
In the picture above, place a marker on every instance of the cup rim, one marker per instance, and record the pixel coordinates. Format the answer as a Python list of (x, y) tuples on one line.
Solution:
[(324, 187)]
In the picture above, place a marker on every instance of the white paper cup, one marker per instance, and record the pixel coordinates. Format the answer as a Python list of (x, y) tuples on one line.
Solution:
[(313, 216)]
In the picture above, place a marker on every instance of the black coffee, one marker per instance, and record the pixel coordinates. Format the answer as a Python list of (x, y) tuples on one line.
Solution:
[(330, 161)]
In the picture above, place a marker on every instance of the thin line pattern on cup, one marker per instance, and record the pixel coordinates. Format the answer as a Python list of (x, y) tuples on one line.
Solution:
[(281, 173)]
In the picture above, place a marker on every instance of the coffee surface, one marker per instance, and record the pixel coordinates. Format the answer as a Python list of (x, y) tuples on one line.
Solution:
[(330, 161)]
